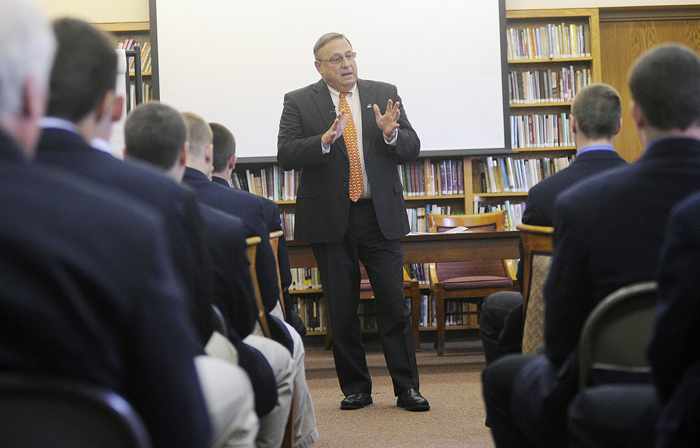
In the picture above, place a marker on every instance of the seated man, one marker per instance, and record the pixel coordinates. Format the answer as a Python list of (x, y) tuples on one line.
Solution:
[(250, 209), (157, 134), (82, 107), (595, 120), (224, 162), (603, 239), (89, 292)]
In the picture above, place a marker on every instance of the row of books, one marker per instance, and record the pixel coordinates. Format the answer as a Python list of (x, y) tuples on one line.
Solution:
[(541, 131), (547, 42), (416, 216), (509, 175), (147, 94), (312, 310), (419, 271), (146, 63), (287, 220), (305, 278), (547, 86), (420, 178), (270, 182), (515, 210), (426, 178)]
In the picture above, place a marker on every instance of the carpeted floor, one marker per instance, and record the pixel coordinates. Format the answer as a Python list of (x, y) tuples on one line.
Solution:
[(452, 384)]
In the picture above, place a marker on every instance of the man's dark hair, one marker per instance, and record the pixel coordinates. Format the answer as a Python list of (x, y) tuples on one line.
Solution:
[(224, 146), (155, 133), (665, 84), (84, 70), (597, 109)]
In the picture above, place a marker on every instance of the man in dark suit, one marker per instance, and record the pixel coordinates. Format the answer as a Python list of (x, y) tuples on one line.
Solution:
[(223, 163), (88, 292), (82, 107), (608, 233), (595, 120), (156, 133), (249, 208), (350, 207)]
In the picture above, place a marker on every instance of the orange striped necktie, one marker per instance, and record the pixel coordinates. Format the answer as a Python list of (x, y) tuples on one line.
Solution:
[(350, 137)]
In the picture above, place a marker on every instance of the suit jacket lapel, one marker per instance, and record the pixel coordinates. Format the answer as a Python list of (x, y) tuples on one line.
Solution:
[(369, 123)]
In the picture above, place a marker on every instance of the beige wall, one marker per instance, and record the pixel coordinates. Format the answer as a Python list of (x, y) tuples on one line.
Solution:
[(104, 11), (107, 11)]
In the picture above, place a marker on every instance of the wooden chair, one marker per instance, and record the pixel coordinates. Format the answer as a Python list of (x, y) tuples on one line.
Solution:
[(42, 411), (614, 337), (411, 290), (468, 281), (537, 256), (275, 243), (252, 242)]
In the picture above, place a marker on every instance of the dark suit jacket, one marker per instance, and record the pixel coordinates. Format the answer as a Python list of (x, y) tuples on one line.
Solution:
[(178, 204), (89, 293), (322, 203), (674, 347), (539, 207), (271, 216), (608, 232), (249, 208)]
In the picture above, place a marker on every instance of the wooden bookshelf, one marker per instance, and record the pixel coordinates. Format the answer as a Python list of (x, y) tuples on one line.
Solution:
[(139, 33)]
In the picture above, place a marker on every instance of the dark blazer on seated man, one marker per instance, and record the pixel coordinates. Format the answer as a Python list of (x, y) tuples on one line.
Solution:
[(249, 208), (89, 293), (599, 110), (608, 233), (69, 151)]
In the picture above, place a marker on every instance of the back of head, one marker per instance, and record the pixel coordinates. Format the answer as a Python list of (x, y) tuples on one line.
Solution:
[(155, 133), (665, 84), (224, 146), (27, 47), (84, 71), (597, 109), (199, 132)]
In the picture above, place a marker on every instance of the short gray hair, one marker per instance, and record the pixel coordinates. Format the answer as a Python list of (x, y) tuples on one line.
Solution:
[(27, 48), (323, 40)]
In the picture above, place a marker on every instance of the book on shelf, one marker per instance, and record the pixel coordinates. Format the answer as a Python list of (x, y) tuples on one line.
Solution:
[(549, 41), (524, 173), (546, 86)]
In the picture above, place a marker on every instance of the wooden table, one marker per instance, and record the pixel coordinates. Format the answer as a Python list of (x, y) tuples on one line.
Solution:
[(434, 248)]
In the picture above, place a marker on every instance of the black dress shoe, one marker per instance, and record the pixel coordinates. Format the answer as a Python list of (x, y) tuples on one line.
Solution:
[(412, 400), (356, 401)]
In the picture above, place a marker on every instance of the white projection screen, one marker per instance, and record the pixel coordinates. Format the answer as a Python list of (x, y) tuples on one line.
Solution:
[(232, 61)]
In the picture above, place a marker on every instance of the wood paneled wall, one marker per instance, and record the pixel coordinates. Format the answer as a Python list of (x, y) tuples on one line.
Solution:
[(626, 33)]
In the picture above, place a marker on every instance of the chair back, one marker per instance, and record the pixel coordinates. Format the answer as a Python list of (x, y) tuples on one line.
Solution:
[(275, 243), (484, 272), (537, 256), (615, 335), (251, 250), (38, 411), (481, 221)]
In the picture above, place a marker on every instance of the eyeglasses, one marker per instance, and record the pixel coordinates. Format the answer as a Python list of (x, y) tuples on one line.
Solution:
[(335, 60)]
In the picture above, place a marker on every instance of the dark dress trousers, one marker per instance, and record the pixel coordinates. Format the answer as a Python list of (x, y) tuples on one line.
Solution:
[(178, 204), (608, 232), (501, 319), (89, 293), (342, 234)]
